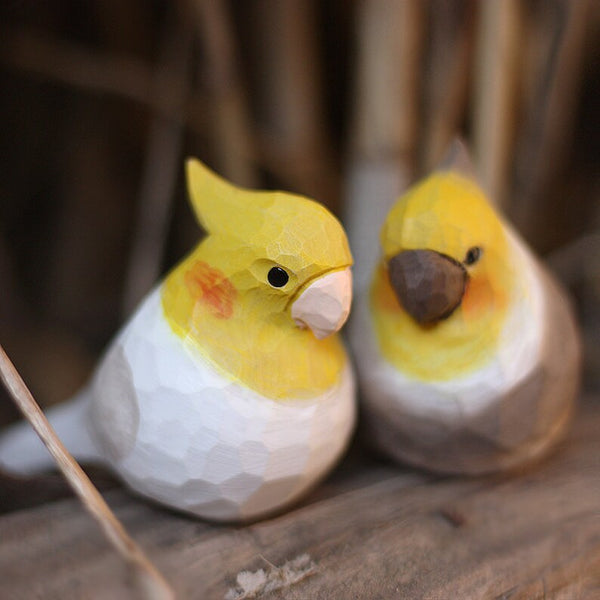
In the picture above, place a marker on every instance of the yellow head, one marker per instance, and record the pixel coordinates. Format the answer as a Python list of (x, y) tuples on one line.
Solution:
[(443, 290), (271, 276)]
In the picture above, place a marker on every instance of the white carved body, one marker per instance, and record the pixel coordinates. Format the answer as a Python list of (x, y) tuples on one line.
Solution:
[(179, 432), (507, 412)]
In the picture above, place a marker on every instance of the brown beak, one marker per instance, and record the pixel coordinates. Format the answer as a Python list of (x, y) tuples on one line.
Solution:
[(428, 284)]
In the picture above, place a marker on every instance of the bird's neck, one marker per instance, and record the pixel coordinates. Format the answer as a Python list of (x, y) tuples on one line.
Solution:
[(231, 330)]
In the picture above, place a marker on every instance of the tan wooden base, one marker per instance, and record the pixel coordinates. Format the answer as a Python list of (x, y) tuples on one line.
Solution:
[(373, 530)]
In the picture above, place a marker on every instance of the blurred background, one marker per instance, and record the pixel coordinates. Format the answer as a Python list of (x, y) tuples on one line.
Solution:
[(343, 101)]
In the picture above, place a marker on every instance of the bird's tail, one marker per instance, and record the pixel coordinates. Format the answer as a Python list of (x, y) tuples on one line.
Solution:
[(23, 453)]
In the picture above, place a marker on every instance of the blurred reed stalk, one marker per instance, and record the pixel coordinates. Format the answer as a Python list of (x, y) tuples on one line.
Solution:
[(447, 65), (101, 104), (229, 127), (162, 165), (384, 127), (291, 126), (551, 81), (499, 30)]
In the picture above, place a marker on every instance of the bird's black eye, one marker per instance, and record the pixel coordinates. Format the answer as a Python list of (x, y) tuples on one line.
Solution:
[(278, 277), (473, 255)]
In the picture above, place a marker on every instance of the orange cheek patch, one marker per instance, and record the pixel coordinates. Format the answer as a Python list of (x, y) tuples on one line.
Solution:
[(480, 297), (385, 298), (212, 288)]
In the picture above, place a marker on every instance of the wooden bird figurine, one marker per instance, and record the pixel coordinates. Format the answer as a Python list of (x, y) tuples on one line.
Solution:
[(466, 348), (227, 395)]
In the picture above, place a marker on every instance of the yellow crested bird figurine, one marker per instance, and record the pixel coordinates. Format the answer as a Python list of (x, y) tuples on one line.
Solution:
[(467, 351), (228, 394)]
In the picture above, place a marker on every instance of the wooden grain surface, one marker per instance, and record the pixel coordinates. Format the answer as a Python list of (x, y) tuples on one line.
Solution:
[(373, 530)]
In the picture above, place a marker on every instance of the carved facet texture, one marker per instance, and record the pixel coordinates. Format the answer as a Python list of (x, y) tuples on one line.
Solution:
[(212, 399), (492, 420), (325, 305), (428, 284), (222, 297), (203, 443), (492, 385)]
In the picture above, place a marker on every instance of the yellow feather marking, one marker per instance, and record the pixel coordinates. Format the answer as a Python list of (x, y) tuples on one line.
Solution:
[(219, 302), (266, 353), (449, 214)]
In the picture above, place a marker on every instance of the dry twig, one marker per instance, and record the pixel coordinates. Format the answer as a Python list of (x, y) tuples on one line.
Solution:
[(151, 583)]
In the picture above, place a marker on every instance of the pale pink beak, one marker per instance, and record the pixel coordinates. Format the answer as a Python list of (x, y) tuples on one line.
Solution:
[(324, 305)]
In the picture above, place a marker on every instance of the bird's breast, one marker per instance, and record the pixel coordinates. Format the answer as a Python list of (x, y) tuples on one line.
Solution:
[(204, 442)]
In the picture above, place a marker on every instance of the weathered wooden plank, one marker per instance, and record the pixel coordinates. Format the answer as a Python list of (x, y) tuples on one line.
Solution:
[(373, 531)]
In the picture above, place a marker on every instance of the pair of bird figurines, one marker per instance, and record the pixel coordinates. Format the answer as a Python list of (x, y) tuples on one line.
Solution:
[(228, 394)]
